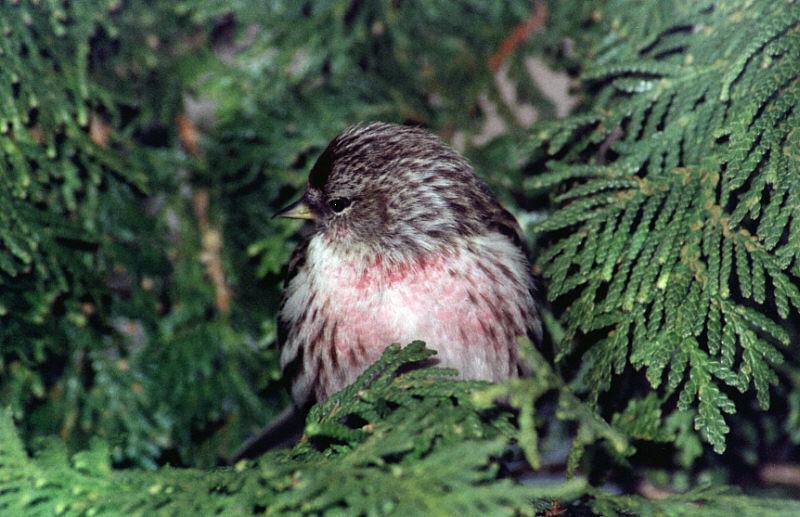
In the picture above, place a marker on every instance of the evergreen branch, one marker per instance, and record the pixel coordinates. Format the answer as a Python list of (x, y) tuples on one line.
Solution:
[(677, 244)]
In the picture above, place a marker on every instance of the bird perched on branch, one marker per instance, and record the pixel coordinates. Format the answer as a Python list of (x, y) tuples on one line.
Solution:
[(408, 244)]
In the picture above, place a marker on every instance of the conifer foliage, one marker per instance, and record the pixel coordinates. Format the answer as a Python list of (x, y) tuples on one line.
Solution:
[(679, 187), (144, 145), (423, 448)]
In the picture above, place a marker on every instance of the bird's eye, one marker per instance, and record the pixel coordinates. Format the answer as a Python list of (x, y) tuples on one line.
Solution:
[(339, 204)]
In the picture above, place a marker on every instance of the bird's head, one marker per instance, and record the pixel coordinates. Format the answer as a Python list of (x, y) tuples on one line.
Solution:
[(392, 190)]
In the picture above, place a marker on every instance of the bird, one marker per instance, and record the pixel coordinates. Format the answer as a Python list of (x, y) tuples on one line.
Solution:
[(408, 243)]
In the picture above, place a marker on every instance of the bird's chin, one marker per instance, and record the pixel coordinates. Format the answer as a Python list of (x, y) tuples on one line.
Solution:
[(348, 245), (355, 250)]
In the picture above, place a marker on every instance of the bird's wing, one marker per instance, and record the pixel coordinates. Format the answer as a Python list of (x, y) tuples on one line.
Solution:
[(503, 222), (292, 367), (285, 429), (297, 261)]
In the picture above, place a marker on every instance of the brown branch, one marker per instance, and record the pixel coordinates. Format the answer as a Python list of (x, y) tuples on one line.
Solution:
[(780, 473), (99, 130), (188, 134), (210, 238), (650, 491), (211, 257), (612, 137), (518, 35)]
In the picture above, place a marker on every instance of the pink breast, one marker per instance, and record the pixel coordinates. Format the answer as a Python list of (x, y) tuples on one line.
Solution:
[(447, 301)]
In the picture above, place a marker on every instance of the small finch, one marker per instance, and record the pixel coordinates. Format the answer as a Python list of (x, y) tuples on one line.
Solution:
[(408, 244)]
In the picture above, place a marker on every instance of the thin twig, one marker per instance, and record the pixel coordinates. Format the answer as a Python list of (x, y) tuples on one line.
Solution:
[(518, 35), (780, 473), (188, 134), (210, 257)]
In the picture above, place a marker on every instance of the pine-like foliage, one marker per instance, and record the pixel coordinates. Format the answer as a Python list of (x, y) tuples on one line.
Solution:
[(144, 146), (407, 444), (680, 190)]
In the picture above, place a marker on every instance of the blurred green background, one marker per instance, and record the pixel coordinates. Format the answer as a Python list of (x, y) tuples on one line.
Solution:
[(145, 146)]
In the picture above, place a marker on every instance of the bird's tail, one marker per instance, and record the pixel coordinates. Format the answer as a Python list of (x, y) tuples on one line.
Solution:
[(283, 431)]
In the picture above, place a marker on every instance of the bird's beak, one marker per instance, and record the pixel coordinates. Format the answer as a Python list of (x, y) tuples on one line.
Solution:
[(297, 210)]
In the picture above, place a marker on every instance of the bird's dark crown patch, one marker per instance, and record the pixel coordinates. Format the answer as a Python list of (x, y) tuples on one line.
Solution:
[(322, 168)]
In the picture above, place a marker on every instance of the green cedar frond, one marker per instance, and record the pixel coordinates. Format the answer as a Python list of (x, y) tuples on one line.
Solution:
[(717, 501), (434, 456), (408, 460), (401, 465), (524, 394), (675, 246), (49, 81)]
